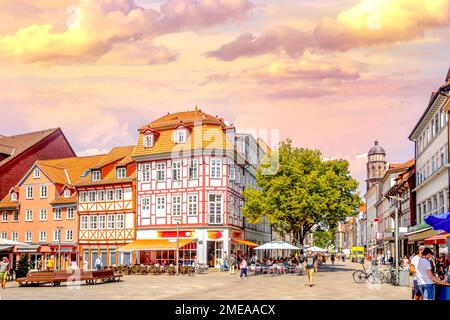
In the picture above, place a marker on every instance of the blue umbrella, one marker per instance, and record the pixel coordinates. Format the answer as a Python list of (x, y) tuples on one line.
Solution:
[(439, 221)]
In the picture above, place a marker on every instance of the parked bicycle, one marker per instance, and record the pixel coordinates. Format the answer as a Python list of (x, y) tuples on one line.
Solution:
[(374, 275), (390, 276)]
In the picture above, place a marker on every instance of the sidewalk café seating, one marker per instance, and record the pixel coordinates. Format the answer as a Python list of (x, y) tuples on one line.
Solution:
[(201, 268), (57, 277)]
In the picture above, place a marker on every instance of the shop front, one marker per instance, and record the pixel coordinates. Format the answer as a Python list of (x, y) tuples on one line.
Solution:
[(417, 238)]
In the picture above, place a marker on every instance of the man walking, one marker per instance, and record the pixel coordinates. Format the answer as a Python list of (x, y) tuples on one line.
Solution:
[(244, 267), (232, 263), (425, 277), (4, 269), (414, 260), (310, 263)]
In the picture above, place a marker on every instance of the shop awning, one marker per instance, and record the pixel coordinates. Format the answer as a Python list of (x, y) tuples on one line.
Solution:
[(45, 249), (27, 248), (5, 248), (438, 239), (421, 236), (246, 242), (155, 244)]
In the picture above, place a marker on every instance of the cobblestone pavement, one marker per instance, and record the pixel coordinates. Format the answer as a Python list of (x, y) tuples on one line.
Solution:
[(336, 283)]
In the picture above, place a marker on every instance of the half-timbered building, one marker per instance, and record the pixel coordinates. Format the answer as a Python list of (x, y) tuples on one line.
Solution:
[(106, 198)]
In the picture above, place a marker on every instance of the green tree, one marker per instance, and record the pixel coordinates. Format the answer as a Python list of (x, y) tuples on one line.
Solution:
[(302, 191), (23, 266), (323, 238)]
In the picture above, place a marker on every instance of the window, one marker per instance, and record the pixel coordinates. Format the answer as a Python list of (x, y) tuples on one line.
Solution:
[(193, 169), (192, 204), (43, 215), (176, 205), (13, 196), (216, 168), (57, 214), (43, 191), (101, 195), (4, 216), (121, 173), (67, 193), (232, 174), (119, 194), (96, 175), (120, 221), (180, 136), (215, 208), (56, 235), (102, 222), (29, 192), (110, 195), (111, 221), (92, 196), (28, 236), (42, 236), (146, 173), (14, 236), (83, 197), (69, 235), (160, 203), (37, 173), (4, 235), (15, 216), (84, 222), (146, 204), (69, 214), (148, 141), (93, 222), (176, 170), (29, 215), (161, 171)]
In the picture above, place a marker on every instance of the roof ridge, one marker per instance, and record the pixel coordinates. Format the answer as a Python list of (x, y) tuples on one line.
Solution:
[(33, 132)]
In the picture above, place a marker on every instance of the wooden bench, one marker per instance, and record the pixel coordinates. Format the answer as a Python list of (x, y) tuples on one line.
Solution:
[(57, 277)]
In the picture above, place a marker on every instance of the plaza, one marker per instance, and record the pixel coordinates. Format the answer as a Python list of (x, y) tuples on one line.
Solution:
[(335, 283)]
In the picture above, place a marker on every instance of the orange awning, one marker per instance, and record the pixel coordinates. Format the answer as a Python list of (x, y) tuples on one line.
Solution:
[(155, 244), (45, 249), (246, 242), (438, 239)]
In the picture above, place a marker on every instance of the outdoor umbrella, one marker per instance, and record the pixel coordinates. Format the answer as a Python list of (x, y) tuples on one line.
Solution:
[(315, 249), (277, 245), (6, 242), (439, 221)]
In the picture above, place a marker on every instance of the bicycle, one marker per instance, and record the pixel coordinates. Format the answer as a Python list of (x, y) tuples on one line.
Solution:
[(373, 275), (390, 276)]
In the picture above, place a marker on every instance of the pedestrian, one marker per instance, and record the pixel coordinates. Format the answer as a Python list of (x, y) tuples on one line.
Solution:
[(310, 263), (416, 294), (50, 264), (39, 264), (333, 257), (85, 265), (98, 263), (405, 263), (4, 269), (232, 264), (425, 278), (244, 267)]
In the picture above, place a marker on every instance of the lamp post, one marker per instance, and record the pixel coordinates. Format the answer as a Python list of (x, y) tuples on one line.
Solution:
[(178, 220), (396, 232), (59, 246)]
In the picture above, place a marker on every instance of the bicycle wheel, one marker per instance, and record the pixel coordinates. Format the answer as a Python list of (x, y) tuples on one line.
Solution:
[(359, 276), (388, 277)]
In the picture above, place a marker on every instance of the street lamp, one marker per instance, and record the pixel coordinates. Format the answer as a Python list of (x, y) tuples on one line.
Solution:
[(396, 228), (177, 220), (59, 246)]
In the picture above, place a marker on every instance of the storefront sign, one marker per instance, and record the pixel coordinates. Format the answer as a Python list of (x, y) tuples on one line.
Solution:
[(214, 235), (173, 234)]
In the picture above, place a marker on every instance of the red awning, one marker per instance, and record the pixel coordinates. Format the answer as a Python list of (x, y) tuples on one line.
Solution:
[(45, 249), (438, 239)]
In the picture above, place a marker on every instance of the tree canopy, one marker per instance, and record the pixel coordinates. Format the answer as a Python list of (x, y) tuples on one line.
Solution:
[(303, 192)]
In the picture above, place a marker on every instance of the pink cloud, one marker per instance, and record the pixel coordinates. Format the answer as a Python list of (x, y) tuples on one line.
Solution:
[(368, 23)]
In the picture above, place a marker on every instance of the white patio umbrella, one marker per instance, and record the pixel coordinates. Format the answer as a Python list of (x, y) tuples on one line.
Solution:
[(6, 242), (315, 249), (277, 245)]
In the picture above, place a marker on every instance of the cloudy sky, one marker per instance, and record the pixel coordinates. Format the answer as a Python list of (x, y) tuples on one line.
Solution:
[(330, 74)]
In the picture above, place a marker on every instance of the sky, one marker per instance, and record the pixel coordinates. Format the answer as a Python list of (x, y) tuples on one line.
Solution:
[(332, 75)]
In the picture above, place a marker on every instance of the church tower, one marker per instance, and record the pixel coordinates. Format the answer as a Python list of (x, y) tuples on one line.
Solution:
[(376, 165)]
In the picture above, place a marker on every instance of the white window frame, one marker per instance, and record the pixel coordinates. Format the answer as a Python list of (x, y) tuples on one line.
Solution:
[(93, 222), (43, 215), (36, 173), (100, 195), (96, 175), (193, 168), (4, 216), (58, 211), (92, 196), (14, 236), (216, 168), (42, 236), (67, 193), (102, 222), (13, 196), (4, 235), (83, 197), (28, 236), (161, 172), (146, 204), (176, 205), (29, 192), (177, 168), (232, 173), (55, 233), (121, 172), (119, 194), (70, 213), (192, 204), (180, 136), (160, 203), (109, 194), (120, 221), (84, 222), (69, 232), (111, 222), (29, 215), (213, 216), (43, 191), (146, 172), (148, 140)]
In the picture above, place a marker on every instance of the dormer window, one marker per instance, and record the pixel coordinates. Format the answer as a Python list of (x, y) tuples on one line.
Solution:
[(13, 196), (67, 193), (96, 175), (180, 136), (121, 173), (37, 173), (148, 141)]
